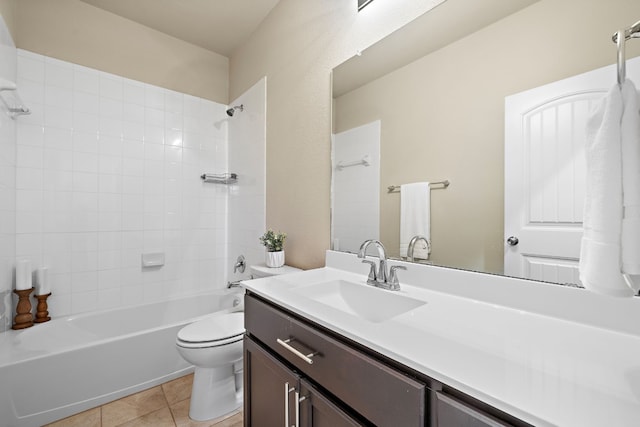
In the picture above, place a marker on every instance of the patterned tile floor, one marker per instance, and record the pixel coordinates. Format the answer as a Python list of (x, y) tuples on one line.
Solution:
[(166, 405)]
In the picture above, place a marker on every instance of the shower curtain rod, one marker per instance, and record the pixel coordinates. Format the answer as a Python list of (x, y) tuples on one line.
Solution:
[(628, 33)]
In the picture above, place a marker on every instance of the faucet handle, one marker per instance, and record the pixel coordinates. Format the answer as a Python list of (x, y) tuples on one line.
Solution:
[(240, 264), (372, 273), (393, 276)]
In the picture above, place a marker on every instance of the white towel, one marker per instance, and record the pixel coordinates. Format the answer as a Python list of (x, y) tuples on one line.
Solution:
[(608, 130), (631, 184), (415, 217)]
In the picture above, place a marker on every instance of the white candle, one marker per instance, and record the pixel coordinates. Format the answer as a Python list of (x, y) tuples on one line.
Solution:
[(23, 275), (43, 287)]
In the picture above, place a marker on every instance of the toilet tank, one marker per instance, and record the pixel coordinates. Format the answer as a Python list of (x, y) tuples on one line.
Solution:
[(261, 270)]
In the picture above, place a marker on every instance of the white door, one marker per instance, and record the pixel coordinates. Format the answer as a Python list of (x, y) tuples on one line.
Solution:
[(545, 173)]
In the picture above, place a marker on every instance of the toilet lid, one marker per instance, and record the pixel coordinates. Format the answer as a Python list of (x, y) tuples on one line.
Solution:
[(214, 328)]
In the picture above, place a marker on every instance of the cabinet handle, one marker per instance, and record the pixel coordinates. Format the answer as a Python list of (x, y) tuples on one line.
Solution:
[(298, 400), (305, 357), (287, 390)]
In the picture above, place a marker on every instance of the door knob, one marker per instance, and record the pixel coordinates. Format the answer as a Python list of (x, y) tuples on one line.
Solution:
[(512, 241)]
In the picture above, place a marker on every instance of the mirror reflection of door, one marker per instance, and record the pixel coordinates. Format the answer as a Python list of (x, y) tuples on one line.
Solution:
[(545, 173), (356, 187)]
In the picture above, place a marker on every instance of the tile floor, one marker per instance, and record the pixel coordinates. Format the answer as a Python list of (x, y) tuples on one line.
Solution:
[(166, 405)]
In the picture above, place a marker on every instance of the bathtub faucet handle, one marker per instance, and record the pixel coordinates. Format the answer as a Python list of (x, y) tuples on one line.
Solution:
[(240, 264)]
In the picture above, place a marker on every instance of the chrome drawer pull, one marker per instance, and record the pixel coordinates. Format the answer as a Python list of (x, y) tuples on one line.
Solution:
[(305, 357)]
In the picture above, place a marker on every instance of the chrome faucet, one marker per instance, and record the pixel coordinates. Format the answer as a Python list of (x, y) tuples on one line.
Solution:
[(235, 284), (412, 244), (380, 279)]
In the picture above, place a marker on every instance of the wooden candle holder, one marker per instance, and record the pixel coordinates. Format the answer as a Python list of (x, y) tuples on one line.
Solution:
[(24, 318), (42, 313)]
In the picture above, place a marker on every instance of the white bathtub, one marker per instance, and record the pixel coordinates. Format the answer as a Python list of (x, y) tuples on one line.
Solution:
[(67, 365)]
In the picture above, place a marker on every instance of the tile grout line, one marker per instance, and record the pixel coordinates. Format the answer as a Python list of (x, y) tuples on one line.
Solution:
[(175, 423)]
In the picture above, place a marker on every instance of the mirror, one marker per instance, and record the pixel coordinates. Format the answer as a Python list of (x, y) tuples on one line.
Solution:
[(435, 90)]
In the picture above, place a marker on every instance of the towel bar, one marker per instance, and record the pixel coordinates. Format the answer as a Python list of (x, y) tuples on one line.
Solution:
[(619, 38), (396, 188)]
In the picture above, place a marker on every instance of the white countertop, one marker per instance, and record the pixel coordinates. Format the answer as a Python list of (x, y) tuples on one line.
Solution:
[(532, 358)]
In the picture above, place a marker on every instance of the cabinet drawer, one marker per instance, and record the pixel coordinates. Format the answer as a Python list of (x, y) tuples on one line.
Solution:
[(376, 391)]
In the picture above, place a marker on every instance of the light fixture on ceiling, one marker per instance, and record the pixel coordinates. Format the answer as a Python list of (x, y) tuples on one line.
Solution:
[(362, 4)]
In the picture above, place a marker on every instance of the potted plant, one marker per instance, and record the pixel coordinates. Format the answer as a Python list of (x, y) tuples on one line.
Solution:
[(274, 242)]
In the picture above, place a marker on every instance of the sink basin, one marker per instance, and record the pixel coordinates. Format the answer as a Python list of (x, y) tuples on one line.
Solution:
[(364, 301)]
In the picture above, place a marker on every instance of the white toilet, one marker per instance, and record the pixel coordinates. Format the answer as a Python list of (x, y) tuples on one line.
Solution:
[(261, 270), (214, 346)]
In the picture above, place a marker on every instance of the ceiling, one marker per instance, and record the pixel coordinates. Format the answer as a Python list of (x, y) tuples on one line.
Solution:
[(446, 23), (216, 25)]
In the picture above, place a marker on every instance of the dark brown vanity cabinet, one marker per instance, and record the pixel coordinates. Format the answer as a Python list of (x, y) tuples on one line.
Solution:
[(454, 412), (337, 384), (277, 396), (299, 374), (269, 389)]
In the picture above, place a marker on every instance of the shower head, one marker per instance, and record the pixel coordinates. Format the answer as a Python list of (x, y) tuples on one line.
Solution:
[(232, 110)]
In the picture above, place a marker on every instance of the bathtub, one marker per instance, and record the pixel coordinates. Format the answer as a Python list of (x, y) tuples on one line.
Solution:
[(70, 364)]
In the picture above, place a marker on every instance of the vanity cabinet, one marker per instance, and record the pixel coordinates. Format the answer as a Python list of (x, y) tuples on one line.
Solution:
[(335, 375), (275, 395), (298, 373), (270, 386), (318, 410), (453, 412)]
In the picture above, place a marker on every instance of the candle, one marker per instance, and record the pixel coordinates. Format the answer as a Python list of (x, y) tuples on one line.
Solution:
[(23, 275), (43, 287)]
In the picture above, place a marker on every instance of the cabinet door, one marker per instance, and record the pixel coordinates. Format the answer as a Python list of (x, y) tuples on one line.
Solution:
[(379, 393), (452, 412), (269, 389), (318, 411)]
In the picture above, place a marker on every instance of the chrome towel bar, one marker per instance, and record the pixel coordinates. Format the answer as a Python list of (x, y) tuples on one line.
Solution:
[(16, 108), (396, 188), (364, 162), (619, 38), (220, 178)]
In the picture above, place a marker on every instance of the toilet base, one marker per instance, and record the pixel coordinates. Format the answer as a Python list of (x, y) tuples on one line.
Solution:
[(214, 393)]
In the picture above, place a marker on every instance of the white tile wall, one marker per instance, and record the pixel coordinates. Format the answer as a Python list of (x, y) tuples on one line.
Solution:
[(108, 168), (7, 183), (247, 157), (356, 203)]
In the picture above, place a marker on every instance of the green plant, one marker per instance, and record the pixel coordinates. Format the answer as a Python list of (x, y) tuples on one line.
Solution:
[(273, 241)]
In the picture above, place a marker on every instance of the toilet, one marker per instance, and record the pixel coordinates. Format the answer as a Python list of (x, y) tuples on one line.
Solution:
[(261, 270), (214, 346)]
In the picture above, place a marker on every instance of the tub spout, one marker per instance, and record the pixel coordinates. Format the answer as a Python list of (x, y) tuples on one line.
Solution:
[(234, 284)]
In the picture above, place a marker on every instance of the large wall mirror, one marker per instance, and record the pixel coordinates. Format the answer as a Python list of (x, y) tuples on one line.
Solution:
[(430, 101)]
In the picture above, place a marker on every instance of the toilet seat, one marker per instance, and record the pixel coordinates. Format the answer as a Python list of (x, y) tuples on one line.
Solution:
[(214, 331), (209, 344)]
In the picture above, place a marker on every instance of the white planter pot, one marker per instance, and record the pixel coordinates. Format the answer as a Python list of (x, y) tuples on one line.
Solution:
[(274, 259)]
